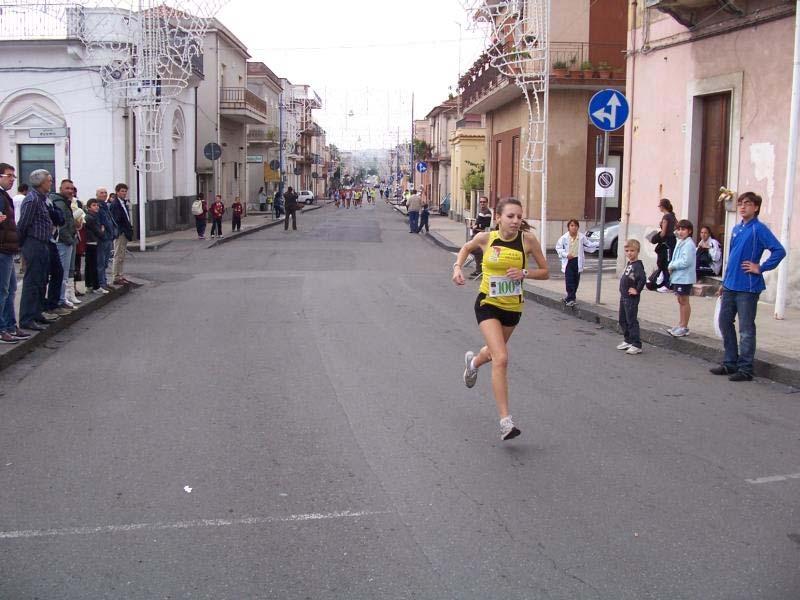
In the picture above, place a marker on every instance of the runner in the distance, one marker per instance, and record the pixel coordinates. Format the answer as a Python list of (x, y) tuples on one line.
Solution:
[(498, 307)]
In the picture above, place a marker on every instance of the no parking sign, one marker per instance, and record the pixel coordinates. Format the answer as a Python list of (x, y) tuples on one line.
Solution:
[(605, 182)]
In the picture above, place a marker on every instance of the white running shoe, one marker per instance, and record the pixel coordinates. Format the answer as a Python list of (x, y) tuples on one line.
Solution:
[(679, 332), (623, 346), (633, 350), (507, 429), (72, 298), (470, 374)]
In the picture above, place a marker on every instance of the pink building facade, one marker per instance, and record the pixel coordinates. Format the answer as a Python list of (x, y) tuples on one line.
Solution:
[(710, 97)]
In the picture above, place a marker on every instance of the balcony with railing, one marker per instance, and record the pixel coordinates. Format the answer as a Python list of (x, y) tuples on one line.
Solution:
[(262, 135), (241, 105), (483, 88)]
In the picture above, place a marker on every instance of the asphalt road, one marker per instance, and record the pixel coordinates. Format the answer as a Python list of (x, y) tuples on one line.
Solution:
[(283, 416)]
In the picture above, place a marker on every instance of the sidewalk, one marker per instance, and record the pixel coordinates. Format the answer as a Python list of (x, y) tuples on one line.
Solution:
[(777, 355)]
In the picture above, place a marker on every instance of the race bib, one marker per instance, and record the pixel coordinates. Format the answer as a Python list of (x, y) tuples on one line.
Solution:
[(504, 286)]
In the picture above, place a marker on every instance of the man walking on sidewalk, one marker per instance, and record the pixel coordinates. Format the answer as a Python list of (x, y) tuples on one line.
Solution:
[(414, 205), (290, 206), (743, 284), (122, 217)]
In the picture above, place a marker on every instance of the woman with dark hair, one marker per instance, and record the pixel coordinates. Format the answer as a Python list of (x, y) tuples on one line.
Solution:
[(709, 253), (498, 307), (665, 242)]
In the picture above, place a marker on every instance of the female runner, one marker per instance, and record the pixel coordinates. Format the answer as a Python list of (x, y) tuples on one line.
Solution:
[(498, 307)]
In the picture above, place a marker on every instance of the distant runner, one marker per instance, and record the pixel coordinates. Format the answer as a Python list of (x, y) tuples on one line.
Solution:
[(498, 307)]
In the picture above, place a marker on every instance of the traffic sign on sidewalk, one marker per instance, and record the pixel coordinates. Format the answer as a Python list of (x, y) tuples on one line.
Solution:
[(608, 110), (422, 166), (605, 182), (212, 151)]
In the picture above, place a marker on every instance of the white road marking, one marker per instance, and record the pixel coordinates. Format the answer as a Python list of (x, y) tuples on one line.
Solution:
[(187, 489), (774, 478), (36, 533)]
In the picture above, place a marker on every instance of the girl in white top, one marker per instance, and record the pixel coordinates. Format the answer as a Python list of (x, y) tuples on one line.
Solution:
[(570, 249)]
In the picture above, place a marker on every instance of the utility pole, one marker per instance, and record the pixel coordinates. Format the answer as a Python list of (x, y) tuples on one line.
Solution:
[(280, 144), (411, 146)]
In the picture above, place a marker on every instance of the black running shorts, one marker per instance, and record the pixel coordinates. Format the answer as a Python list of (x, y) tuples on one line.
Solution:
[(507, 318)]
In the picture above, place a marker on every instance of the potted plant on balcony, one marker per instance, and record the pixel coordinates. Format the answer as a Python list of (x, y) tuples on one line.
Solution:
[(604, 70), (588, 69), (560, 69), (574, 68)]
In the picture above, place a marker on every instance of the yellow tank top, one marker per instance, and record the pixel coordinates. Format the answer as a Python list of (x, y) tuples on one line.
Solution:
[(500, 256)]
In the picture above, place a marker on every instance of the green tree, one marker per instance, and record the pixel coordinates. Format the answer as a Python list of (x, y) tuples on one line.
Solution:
[(422, 150), (474, 179)]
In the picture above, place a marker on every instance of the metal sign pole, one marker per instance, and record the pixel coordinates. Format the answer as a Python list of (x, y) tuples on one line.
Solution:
[(602, 227)]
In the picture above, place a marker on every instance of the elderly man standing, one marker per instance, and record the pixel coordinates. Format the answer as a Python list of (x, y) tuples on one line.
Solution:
[(35, 229), (122, 216)]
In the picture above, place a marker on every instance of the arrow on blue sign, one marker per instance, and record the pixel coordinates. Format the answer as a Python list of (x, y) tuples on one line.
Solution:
[(422, 166), (608, 110)]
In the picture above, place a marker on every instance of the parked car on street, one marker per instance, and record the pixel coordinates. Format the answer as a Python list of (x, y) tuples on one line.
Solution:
[(305, 196), (610, 236)]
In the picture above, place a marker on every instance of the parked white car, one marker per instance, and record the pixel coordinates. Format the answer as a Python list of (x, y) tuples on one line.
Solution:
[(305, 196), (609, 236)]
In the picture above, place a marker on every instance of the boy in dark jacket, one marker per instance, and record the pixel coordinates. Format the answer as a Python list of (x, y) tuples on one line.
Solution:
[(238, 209), (630, 288), (95, 232), (217, 210)]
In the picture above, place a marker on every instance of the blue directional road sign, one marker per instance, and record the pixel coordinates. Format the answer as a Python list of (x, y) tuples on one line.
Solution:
[(608, 110), (212, 151), (422, 166), (399, 175)]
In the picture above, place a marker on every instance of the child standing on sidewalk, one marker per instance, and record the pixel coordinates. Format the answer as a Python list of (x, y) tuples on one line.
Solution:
[(630, 288), (217, 210), (423, 219), (570, 249), (683, 275), (236, 221)]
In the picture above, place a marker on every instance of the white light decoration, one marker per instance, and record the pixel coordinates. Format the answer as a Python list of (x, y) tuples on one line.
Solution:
[(146, 51), (517, 46)]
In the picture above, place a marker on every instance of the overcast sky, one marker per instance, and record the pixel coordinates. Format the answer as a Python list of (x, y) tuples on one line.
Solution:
[(361, 56)]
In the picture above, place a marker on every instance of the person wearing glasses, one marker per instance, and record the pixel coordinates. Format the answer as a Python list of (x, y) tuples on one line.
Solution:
[(742, 285), (9, 246)]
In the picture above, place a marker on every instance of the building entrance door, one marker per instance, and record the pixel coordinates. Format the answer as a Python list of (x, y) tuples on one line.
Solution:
[(714, 163)]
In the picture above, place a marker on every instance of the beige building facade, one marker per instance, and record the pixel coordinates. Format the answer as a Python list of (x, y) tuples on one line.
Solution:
[(468, 152)]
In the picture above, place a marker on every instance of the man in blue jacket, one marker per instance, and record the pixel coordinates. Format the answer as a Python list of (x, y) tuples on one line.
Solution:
[(742, 285)]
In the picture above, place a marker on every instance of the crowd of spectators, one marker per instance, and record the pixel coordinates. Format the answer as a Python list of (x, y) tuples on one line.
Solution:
[(56, 241)]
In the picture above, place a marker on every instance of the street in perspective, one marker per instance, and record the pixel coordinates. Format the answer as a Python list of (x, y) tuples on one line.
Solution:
[(492, 299)]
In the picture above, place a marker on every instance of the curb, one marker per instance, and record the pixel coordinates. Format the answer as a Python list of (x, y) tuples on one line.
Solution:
[(276, 222), (149, 247), (22, 349), (767, 364)]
